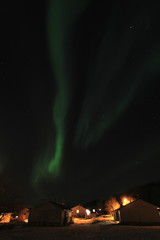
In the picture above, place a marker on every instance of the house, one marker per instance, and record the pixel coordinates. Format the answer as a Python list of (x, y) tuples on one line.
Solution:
[(5, 215), (49, 214), (14, 213), (23, 215), (138, 212), (79, 211)]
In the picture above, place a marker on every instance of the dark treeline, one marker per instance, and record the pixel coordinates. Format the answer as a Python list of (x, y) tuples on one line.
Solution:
[(149, 192)]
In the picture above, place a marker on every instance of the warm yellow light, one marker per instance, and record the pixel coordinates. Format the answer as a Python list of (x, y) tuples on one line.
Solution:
[(94, 210), (5, 218), (125, 201), (77, 211), (88, 211)]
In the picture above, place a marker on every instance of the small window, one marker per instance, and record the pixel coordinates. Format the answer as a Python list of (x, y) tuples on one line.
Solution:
[(158, 209), (77, 211)]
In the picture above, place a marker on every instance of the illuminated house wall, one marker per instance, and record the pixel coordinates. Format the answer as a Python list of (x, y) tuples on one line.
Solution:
[(49, 213), (138, 212), (5, 217), (78, 211), (23, 215)]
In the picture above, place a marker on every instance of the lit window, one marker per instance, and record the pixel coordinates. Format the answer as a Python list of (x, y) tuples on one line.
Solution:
[(77, 211), (158, 211), (94, 210), (88, 211)]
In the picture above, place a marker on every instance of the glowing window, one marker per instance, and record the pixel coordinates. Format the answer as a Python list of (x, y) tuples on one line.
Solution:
[(158, 211), (77, 211), (87, 211)]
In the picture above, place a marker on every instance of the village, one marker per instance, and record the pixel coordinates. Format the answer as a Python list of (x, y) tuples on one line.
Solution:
[(129, 211), (130, 219)]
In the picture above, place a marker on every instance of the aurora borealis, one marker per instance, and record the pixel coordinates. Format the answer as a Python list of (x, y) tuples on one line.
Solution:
[(80, 96), (61, 16)]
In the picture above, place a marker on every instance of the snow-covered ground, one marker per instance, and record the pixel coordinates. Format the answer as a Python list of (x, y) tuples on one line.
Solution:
[(106, 219), (82, 232)]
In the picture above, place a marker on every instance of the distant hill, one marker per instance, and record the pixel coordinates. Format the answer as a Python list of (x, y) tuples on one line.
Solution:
[(149, 192)]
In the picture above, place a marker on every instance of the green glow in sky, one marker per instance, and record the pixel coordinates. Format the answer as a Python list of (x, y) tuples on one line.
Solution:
[(117, 71), (62, 15)]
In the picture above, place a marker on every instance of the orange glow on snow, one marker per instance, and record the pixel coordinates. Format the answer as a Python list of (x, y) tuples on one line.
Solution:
[(6, 218), (102, 218), (82, 220)]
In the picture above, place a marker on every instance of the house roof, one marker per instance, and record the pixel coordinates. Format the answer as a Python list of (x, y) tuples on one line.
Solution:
[(79, 205), (12, 209), (131, 203), (52, 203), (8, 210)]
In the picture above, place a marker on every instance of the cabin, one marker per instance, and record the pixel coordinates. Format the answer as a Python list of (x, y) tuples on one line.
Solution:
[(5, 215), (23, 215), (14, 213), (79, 211), (49, 214), (138, 212)]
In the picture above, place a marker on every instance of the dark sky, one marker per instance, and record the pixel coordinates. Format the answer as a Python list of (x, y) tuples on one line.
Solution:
[(79, 97)]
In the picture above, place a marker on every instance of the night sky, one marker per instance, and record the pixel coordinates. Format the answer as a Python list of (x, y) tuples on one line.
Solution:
[(79, 97)]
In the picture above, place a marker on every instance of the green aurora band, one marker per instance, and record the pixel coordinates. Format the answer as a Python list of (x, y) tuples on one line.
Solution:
[(62, 15), (103, 92)]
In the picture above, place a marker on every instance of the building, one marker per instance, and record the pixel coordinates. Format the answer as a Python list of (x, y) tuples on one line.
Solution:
[(5, 215), (49, 214), (17, 213), (138, 212), (23, 215), (79, 211)]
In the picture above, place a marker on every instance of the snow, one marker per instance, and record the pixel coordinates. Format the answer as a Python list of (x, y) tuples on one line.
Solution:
[(82, 232), (107, 219)]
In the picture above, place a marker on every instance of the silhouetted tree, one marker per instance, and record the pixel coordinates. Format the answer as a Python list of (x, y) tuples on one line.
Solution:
[(111, 205)]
